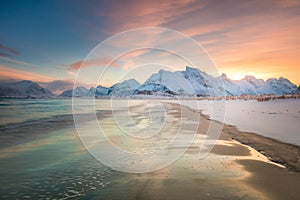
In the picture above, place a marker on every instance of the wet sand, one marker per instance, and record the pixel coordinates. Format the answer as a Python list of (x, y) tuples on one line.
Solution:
[(231, 171), (269, 167), (279, 152)]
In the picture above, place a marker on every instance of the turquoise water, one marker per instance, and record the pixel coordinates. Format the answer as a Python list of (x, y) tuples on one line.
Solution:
[(21, 110), (49, 160), (52, 167), (54, 163)]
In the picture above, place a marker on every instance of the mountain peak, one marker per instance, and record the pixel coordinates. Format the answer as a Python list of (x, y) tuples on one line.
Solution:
[(76, 92), (189, 69), (249, 78), (224, 76), (24, 89), (25, 83), (282, 79), (132, 81), (162, 71)]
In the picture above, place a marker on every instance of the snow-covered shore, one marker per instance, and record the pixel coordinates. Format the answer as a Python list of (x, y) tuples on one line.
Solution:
[(277, 119)]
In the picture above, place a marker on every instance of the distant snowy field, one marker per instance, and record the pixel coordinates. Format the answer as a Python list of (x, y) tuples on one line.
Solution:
[(278, 119)]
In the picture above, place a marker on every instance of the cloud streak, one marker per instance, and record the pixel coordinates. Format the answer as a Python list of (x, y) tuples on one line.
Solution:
[(18, 62), (237, 34), (16, 74), (101, 62), (8, 51)]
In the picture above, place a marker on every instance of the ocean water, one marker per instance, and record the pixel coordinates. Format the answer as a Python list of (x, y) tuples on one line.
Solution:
[(21, 110), (52, 163), (49, 161)]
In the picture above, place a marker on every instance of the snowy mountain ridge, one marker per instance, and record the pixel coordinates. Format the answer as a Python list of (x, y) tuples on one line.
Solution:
[(194, 82), (125, 88), (77, 92), (190, 82)]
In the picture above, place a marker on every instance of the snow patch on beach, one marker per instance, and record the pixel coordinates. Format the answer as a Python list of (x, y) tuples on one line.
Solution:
[(278, 119)]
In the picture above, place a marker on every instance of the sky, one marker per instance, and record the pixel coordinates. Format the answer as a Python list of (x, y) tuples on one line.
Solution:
[(51, 41)]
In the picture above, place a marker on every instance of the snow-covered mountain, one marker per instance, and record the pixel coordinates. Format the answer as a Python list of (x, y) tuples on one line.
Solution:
[(77, 92), (170, 82), (194, 82), (91, 92), (204, 84), (281, 86), (190, 82), (24, 89), (153, 88), (125, 88), (298, 90), (250, 85)]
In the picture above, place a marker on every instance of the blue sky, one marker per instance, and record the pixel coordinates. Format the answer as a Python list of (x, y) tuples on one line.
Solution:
[(40, 40)]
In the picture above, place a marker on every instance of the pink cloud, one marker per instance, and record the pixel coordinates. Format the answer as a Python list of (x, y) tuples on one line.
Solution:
[(93, 62), (7, 73), (8, 50), (237, 34), (18, 62), (135, 14)]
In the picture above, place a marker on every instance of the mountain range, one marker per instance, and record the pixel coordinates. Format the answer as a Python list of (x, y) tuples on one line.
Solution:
[(190, 82)]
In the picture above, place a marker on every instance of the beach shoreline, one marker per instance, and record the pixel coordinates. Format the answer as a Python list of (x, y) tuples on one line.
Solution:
[(240, 166), (277, 151), (276, 176)]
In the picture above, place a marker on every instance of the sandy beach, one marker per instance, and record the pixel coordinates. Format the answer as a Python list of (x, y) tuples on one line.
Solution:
[(240, 166), (270, 167)]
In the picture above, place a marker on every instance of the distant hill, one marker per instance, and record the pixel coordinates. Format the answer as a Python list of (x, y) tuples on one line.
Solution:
[(24, 89), (125, 88), (77, 92)]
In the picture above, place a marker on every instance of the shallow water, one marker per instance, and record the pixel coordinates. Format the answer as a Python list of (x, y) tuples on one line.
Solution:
[(21, 110), (54, 167), (53, 163)]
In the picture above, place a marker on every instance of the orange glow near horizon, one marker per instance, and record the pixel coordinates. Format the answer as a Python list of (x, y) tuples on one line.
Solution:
[(262, 71), (10, 73), (249, 40)]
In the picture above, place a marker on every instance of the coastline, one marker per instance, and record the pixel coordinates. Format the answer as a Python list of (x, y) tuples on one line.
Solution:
[(283, 153), (232, 170), (261, 174), (276, 151), (273, 167)]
